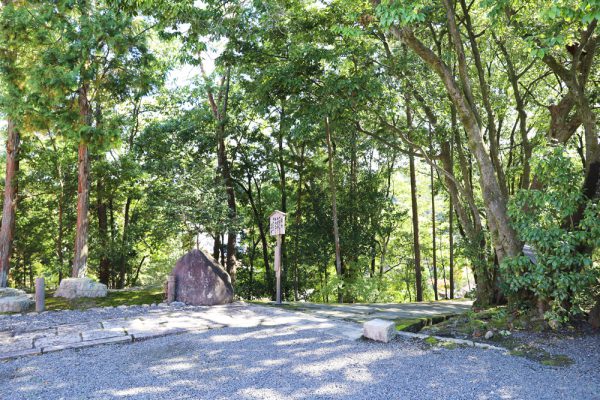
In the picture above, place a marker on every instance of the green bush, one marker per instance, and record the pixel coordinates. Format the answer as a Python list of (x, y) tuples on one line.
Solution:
[(564, 274)]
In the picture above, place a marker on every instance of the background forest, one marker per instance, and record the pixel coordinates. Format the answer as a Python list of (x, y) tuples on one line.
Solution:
[(416, 147)]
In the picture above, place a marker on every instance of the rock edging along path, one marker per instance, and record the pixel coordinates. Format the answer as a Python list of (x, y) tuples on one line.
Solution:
[(162, 321)]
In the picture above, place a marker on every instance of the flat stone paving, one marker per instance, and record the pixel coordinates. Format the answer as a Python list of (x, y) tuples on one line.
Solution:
[(161, 322), (391, 311)]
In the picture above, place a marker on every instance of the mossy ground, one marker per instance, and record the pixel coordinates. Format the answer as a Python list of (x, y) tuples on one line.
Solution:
[(416, 324), (542, 356), (126, 297), (432, 341), (474, 325)]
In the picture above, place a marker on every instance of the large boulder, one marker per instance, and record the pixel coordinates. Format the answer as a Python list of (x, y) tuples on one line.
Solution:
[(72, 288), (201, 281), (14, 300)]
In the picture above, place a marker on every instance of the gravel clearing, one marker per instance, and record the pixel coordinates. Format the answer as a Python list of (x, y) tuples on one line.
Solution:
[(284, 362), (33, 321)]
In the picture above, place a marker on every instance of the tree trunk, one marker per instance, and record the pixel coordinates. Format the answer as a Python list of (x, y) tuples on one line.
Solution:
[(284, 262), (451, 247), (298, 221), (219, 112), (123, 258), (217, 247), (258, 216), (83, 190), (230, 263), (7, 229), (504, 237), (61, 207), (433, 235), (415, 223), (415, 213), (59, 238), (520, 105), (137, 271), (332, 189), (81, 234), (104, 268)]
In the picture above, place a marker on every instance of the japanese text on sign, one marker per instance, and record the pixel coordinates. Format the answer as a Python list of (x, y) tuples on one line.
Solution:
[(277, 223)]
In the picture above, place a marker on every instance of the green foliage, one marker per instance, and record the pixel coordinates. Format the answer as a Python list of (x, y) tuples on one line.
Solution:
[(157, 189), (392, 12), (564, 272)]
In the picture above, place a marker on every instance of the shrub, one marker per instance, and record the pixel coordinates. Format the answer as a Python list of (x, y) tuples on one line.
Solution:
[(564, 273)]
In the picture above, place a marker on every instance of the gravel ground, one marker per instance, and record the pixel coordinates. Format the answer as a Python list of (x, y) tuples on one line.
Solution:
[(276, 363), (32, 321)]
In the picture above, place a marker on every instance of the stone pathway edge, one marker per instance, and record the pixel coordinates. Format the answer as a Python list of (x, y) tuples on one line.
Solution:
[(128, 338), (344, 329)]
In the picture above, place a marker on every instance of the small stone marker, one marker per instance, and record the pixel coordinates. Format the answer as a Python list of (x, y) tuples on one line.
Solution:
[(379, 330), (40, 300)]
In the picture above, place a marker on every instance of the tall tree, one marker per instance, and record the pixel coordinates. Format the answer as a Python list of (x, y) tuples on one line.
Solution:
[(433, 236), (334, 212), (415, 214), (10, 72)]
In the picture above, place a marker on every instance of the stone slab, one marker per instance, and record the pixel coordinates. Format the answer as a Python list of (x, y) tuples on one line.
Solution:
[(116, 323), (379, 330), (142, 334), (87, 343), (98, 334), (57, 340), (34, 335), (8, 355), (16, 346), (76, 328)]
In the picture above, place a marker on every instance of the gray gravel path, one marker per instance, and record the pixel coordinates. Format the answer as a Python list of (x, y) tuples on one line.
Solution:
[(32, 321), (284, 362)]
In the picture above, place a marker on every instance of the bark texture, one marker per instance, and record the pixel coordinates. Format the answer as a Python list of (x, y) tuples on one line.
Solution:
[(10, 201)]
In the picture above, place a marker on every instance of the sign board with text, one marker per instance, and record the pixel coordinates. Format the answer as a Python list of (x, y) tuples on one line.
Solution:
[(277, 223)]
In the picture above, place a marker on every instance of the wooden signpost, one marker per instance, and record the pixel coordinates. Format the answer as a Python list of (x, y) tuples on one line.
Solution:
[(277, 228)]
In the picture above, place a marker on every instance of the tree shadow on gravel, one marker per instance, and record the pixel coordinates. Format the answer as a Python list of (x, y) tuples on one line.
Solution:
[(280, 362)]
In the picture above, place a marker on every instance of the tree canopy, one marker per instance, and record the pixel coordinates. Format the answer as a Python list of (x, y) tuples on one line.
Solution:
[(417, 148)]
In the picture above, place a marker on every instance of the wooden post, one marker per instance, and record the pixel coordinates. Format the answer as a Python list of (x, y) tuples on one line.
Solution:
[(40, 301), (277, 228), (170, 289), (278, 268)]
